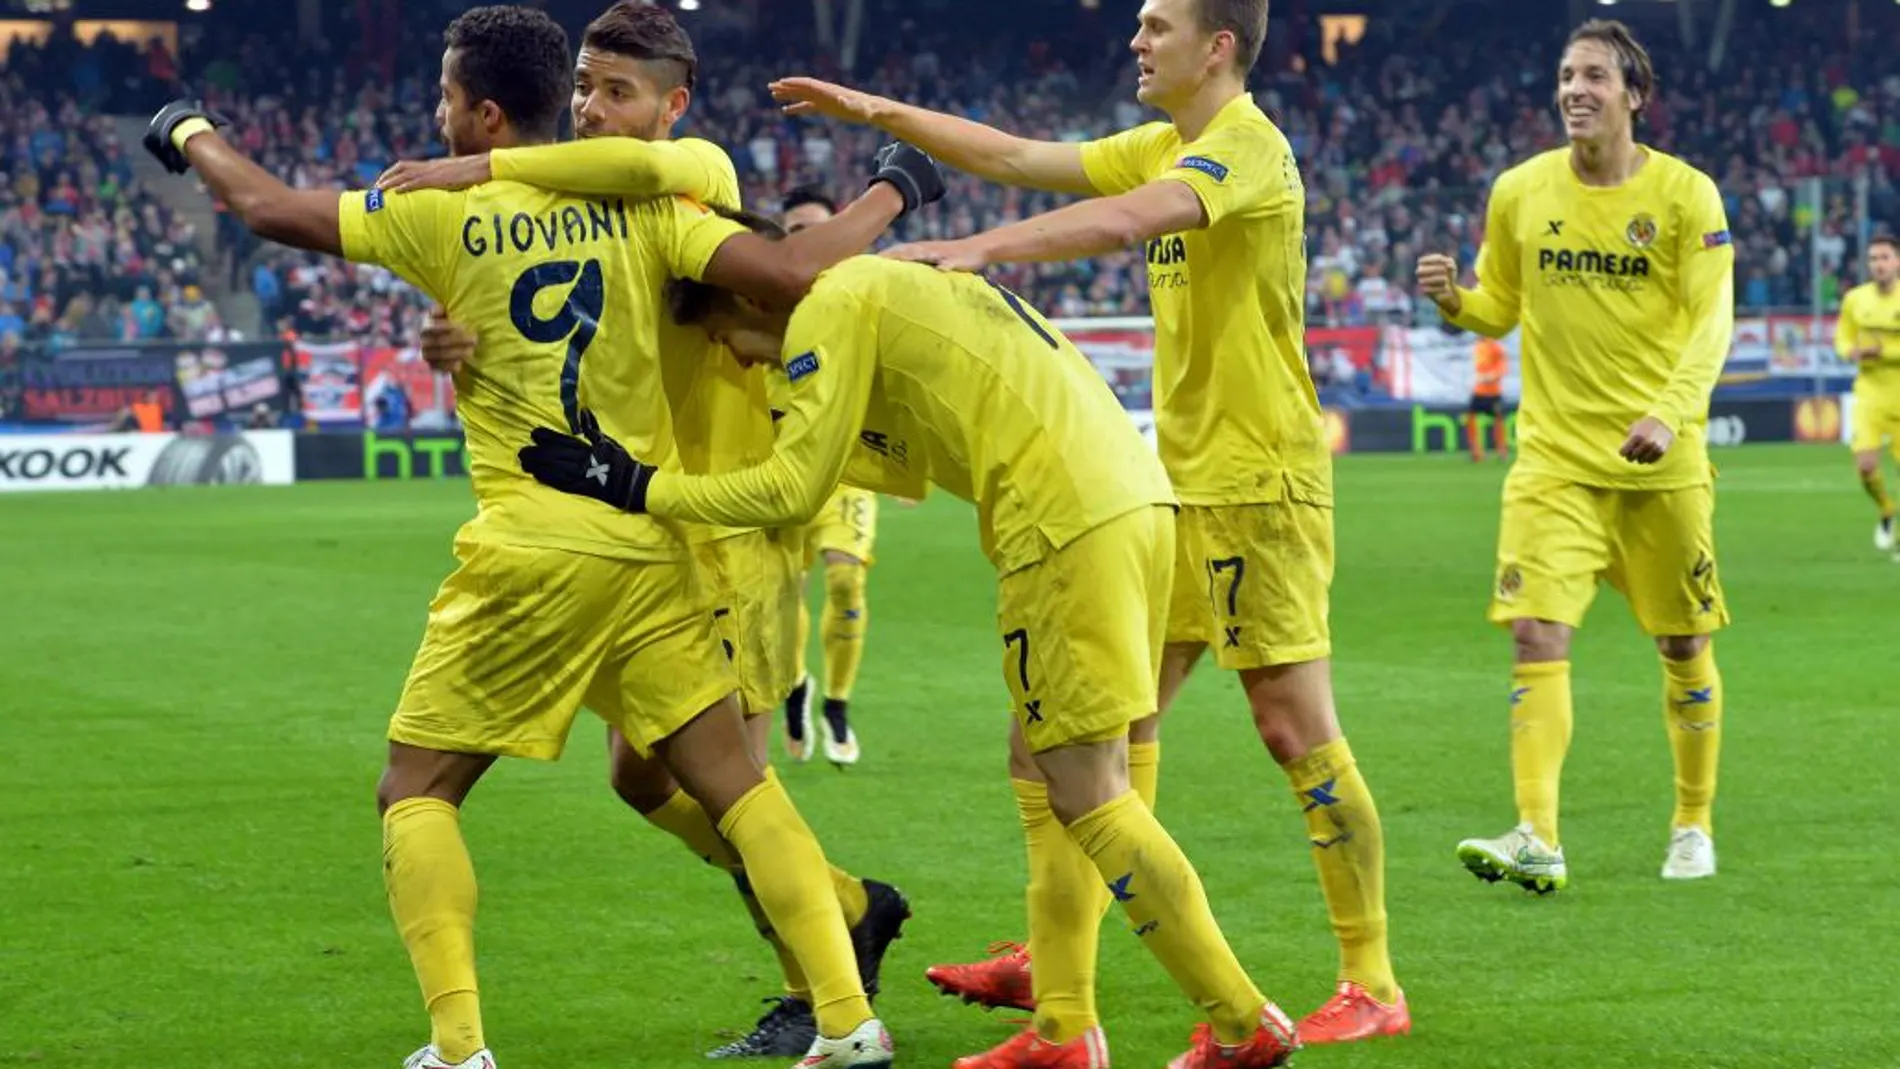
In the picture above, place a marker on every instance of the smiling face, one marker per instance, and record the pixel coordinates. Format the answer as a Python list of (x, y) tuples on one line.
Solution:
[(1596, 103)]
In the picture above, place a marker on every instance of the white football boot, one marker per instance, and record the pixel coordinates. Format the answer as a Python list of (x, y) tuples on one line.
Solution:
[(1691, 855), (841, 741), (428, 1058), (1518, 856), (867, 1047)]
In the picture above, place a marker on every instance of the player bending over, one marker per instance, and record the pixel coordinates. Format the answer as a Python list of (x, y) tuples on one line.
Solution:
[(844, 532), (1216, 195), (902, 376), (1868, 333), (633, 80), (556, 602), (1615, 261)]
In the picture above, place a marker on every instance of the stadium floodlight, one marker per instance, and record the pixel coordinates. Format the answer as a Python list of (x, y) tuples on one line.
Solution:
[(197, 5), (689, 5)]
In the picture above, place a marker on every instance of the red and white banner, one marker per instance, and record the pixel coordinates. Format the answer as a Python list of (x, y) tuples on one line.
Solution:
[(343, 382)]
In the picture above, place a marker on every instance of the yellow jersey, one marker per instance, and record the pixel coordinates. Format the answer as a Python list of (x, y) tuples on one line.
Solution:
[(1870, 317), (563, 296), (1237, 420), (901, 376), (1626, 297), (721, 419)]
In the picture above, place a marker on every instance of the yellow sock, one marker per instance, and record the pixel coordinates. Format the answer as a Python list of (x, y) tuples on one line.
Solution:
[(431, 886), (789, 875), (853, 901), (1540, 736), (1349, 850), (846, 617), (1151, 878), (684, 819), (1692, 708), (1144, 770), (1066, 903), (804, 629), (796, 985), (1876, 488)]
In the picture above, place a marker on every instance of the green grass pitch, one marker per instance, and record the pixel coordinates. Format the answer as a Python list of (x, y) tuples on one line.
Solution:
[(195, 684)]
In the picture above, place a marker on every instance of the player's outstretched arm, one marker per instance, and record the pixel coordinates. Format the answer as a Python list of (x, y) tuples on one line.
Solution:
[(1076, 232), (599, 166), (183, 136), (968, 146), (778, 274)]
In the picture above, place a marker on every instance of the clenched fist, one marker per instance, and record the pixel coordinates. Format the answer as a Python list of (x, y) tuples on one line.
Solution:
[(1438, 279)]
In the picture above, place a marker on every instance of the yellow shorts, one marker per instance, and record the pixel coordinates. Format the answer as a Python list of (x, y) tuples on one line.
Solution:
[(1557, 539), (1876, 420), (785, 574), (519, 639), (747, 573), (1254, 582), (1083, 629), (847, 524)]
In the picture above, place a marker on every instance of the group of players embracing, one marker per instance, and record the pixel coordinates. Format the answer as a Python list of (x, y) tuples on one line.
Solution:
[(657, 386)]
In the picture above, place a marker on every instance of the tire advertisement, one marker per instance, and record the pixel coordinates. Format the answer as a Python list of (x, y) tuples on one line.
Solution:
[(127, 461)]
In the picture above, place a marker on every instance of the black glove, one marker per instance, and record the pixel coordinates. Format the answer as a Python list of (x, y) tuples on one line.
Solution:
[(158, 135), (912, 172), (598, 467)]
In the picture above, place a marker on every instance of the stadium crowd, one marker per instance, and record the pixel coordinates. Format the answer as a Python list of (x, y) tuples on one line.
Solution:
[(1399, 135), (85, 253)]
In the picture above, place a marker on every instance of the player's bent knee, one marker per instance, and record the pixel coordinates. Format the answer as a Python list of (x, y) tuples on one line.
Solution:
[(642, 782), (1292, 706), (414, 772), (838, 556), (712, 758), (1681, 647), (1084, 777), (1540, 641), (1867, 463), (1022, 763)]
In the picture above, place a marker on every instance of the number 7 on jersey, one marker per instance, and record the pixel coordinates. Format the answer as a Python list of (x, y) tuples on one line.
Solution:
[(576, 321)]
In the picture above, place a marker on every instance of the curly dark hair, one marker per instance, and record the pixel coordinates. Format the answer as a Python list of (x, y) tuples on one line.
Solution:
[(648, 33), (804, 195), (518, 58)]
